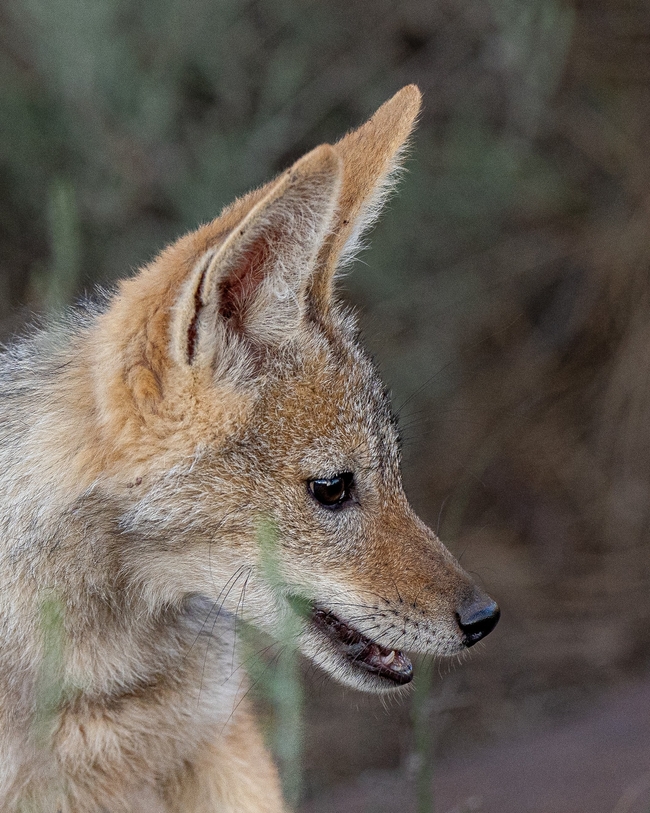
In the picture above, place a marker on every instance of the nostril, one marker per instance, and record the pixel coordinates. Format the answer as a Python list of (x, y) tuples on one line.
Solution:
[(478, 620)]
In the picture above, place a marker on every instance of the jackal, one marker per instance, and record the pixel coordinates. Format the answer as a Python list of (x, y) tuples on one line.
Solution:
[(145, 442)]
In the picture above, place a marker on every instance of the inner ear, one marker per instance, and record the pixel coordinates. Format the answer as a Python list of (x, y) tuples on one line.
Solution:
[(239, 287), (235, 291), (253, 284)]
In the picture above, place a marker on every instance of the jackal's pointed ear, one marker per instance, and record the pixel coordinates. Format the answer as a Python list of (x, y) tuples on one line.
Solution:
[(371, 156), (254, 284)]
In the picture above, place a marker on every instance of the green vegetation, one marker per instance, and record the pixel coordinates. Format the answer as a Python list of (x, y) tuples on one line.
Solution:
[(281, 685), (50, 689)]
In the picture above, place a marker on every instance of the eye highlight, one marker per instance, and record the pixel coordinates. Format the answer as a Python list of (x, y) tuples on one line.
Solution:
[(331, 491)]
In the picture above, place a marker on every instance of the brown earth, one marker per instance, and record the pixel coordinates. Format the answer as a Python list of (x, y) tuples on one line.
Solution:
[(597, 762)]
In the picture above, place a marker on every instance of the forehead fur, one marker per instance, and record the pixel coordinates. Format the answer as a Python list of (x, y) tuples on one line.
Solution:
[(323, 406)]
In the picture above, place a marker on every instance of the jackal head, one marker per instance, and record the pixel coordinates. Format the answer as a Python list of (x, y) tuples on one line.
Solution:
[(259, 446)]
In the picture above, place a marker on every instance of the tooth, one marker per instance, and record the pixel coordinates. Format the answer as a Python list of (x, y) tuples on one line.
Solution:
[(388, 659)]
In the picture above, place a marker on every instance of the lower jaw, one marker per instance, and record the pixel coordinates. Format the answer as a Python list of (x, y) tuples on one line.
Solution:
[(363, 662), (385, 676), (349, 674)]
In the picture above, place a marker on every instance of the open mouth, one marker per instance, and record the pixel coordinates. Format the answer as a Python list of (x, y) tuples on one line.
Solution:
[(361, 652)]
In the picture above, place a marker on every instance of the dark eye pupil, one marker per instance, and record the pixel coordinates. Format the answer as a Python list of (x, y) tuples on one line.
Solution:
[(331, 491)]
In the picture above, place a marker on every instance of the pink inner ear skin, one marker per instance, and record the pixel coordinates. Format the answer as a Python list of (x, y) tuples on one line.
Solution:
[(238, 289)]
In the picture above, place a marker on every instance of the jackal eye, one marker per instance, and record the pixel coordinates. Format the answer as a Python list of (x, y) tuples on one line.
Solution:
[(331, 491)]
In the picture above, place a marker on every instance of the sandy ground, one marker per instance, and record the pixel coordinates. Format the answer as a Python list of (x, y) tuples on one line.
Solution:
[(597, 763)]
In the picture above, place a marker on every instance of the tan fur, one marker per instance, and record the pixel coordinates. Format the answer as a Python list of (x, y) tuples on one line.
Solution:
[(145, 447)]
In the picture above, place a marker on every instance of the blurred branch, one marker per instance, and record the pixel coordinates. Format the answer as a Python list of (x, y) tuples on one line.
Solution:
[(59, 285)]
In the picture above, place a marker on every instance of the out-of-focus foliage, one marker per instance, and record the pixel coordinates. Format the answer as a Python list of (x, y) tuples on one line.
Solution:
[(506, 294), (124, 124)]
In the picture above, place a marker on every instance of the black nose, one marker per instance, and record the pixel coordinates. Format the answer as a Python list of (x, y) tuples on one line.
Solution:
[(478, 618)]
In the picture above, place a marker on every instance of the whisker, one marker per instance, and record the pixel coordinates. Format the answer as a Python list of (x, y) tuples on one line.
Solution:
[(252, 684), (240, 571), (240, 602), (215, 602)]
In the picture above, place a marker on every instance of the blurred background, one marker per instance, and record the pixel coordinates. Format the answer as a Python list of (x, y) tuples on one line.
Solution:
[(505, 295)]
